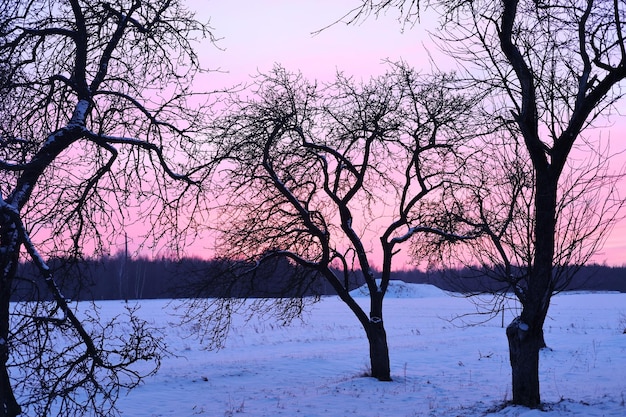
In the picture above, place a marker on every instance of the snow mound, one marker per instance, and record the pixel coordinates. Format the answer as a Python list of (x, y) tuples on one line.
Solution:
[(401, 289)]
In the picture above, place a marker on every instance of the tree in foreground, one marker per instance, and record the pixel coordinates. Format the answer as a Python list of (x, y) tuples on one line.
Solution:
[(331, 176), (93, 114), (553, 69)]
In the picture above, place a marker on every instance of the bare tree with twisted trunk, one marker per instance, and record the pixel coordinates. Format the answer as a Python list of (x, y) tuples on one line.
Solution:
[(328, 176)]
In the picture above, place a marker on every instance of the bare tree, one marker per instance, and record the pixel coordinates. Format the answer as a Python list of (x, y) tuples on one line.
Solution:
[(553, 69), (500, 258), (333, 177), (94, 122)]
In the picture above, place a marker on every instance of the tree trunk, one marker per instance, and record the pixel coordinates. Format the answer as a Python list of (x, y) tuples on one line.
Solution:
[(524, 344), (377, 337), (525, 333), (8, 268), (542, 340), (8, 404), (379, 351), (373, 325)]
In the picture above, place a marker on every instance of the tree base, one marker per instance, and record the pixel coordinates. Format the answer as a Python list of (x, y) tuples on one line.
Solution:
[(524, 345)]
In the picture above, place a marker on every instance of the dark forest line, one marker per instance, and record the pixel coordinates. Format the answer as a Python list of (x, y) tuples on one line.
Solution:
[(117, 278)]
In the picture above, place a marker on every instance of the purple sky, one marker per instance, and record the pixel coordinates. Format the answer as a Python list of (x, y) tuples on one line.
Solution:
[(257, 34)]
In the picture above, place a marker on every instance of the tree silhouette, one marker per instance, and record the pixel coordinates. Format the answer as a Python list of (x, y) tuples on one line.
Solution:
[(94, 118), (322, 175)]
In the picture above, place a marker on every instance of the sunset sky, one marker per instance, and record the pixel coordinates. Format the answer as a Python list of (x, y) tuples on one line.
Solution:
[(254, 35)]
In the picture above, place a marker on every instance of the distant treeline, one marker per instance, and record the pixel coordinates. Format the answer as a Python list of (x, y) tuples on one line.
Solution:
[(142, 278)]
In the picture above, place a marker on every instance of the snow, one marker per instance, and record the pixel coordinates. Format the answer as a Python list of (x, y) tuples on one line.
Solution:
[(315, 367), (80, 114), (400, 289)]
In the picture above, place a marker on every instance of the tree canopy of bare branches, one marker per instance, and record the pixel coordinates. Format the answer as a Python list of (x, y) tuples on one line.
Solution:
[(96, 110), (327, 176)]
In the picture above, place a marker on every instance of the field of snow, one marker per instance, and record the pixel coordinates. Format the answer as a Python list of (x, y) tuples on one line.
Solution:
[(440, 368)]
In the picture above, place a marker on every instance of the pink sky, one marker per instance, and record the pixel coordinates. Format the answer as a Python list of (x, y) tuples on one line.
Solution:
[(256, 35)]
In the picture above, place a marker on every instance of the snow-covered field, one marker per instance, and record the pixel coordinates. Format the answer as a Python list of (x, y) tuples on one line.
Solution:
[(440, 368)]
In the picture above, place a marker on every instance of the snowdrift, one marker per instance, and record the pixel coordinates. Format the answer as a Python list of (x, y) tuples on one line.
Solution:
[(401, 289)]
